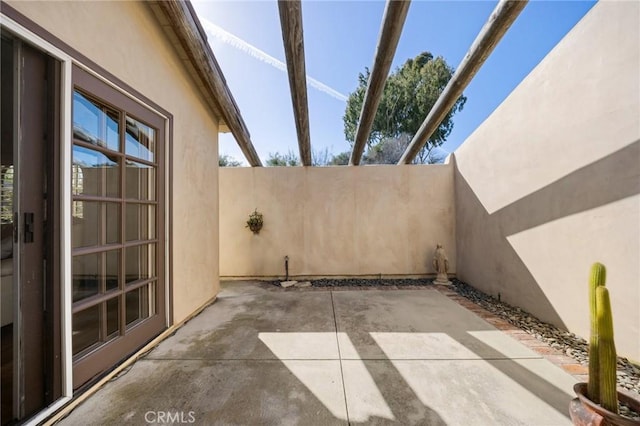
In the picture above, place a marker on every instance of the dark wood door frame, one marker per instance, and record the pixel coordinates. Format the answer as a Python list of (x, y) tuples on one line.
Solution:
[(37, 348), (32, 125)]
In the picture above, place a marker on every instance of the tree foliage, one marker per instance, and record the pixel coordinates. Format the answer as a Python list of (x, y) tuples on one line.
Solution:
[(409, 94), (390, 150), (341, 159), (387, 151), (226, 160), (283, 160), (320, 157)]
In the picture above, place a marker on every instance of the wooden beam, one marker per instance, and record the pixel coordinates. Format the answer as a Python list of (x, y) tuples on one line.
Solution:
[(395, 13), (292, 37), (499, 22), (180, 21)]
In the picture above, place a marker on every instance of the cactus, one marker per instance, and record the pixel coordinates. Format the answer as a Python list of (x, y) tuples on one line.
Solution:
[(606, 352), (602, 351), (597, 279)]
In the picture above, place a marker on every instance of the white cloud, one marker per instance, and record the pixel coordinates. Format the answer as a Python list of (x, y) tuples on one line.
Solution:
[(240, 44)]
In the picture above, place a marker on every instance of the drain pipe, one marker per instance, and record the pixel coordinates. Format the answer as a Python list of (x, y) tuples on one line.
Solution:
[(286, 268)]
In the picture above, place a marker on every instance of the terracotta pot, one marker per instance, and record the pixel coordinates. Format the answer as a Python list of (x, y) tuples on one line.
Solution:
[(584, 412)]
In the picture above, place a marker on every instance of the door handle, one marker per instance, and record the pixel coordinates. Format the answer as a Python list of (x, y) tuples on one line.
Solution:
[(29, 227)]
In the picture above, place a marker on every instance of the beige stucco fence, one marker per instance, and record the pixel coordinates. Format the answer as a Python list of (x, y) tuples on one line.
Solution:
[(549, 183), (336, 221), (546, 186)]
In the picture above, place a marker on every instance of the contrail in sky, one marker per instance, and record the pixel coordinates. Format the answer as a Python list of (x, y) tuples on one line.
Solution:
[(240, 44)]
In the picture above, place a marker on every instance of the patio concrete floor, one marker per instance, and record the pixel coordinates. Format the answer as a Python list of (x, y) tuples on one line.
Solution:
[(261, 355)]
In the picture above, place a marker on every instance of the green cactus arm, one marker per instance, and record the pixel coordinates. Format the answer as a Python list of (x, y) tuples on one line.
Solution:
[(607, 352), (597, 279)]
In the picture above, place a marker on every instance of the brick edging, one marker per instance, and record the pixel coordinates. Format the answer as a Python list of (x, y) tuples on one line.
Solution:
[(568, 364)]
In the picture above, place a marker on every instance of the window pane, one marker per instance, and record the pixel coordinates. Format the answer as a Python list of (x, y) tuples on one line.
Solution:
[(140, 303), (141, 222), (112, 269), (95, 223), (113, 316), (95, 123), (100, 174), (90, 270), (141, 181), (140, 262), (140, 140), (86, 276), (6, 195), (86, 328)]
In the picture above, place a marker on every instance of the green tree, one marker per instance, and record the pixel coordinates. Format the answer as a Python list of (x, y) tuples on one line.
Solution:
[(283, 160), (226, 160), (341, 159), (387, 151), (409, 94), (390, 150)]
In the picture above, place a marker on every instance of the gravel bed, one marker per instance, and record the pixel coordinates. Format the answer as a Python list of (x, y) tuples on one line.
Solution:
[(365, 282), (375, 282), (564, 341)]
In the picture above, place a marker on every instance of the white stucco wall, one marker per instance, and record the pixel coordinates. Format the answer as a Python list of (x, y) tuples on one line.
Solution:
[(125, 39), (549, 183), (336, 221)]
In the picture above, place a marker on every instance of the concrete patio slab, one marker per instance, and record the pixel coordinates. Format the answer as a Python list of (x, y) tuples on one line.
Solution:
[(456, 392), (219, 393), (245, 288), (416, 324), (267, 356), (241, 325)]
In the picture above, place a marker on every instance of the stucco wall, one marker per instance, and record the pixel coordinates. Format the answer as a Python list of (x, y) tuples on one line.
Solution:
[(549, 183), (336, 221), (125, 39)]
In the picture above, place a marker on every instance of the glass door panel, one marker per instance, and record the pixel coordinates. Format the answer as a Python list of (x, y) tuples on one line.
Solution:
[(7, 229), (117, 291)]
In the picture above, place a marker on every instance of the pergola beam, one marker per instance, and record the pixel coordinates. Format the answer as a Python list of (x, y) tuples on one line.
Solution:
[(395, 13), (179, 19), (292, 37), (499, 22)]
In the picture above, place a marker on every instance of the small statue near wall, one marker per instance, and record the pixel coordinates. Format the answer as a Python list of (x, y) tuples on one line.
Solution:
[(441, 265)]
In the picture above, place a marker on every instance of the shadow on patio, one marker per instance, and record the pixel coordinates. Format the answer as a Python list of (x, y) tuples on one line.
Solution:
[(262, 355)]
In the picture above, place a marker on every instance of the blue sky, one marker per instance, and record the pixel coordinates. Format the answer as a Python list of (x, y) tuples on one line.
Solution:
[(340, 39)]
